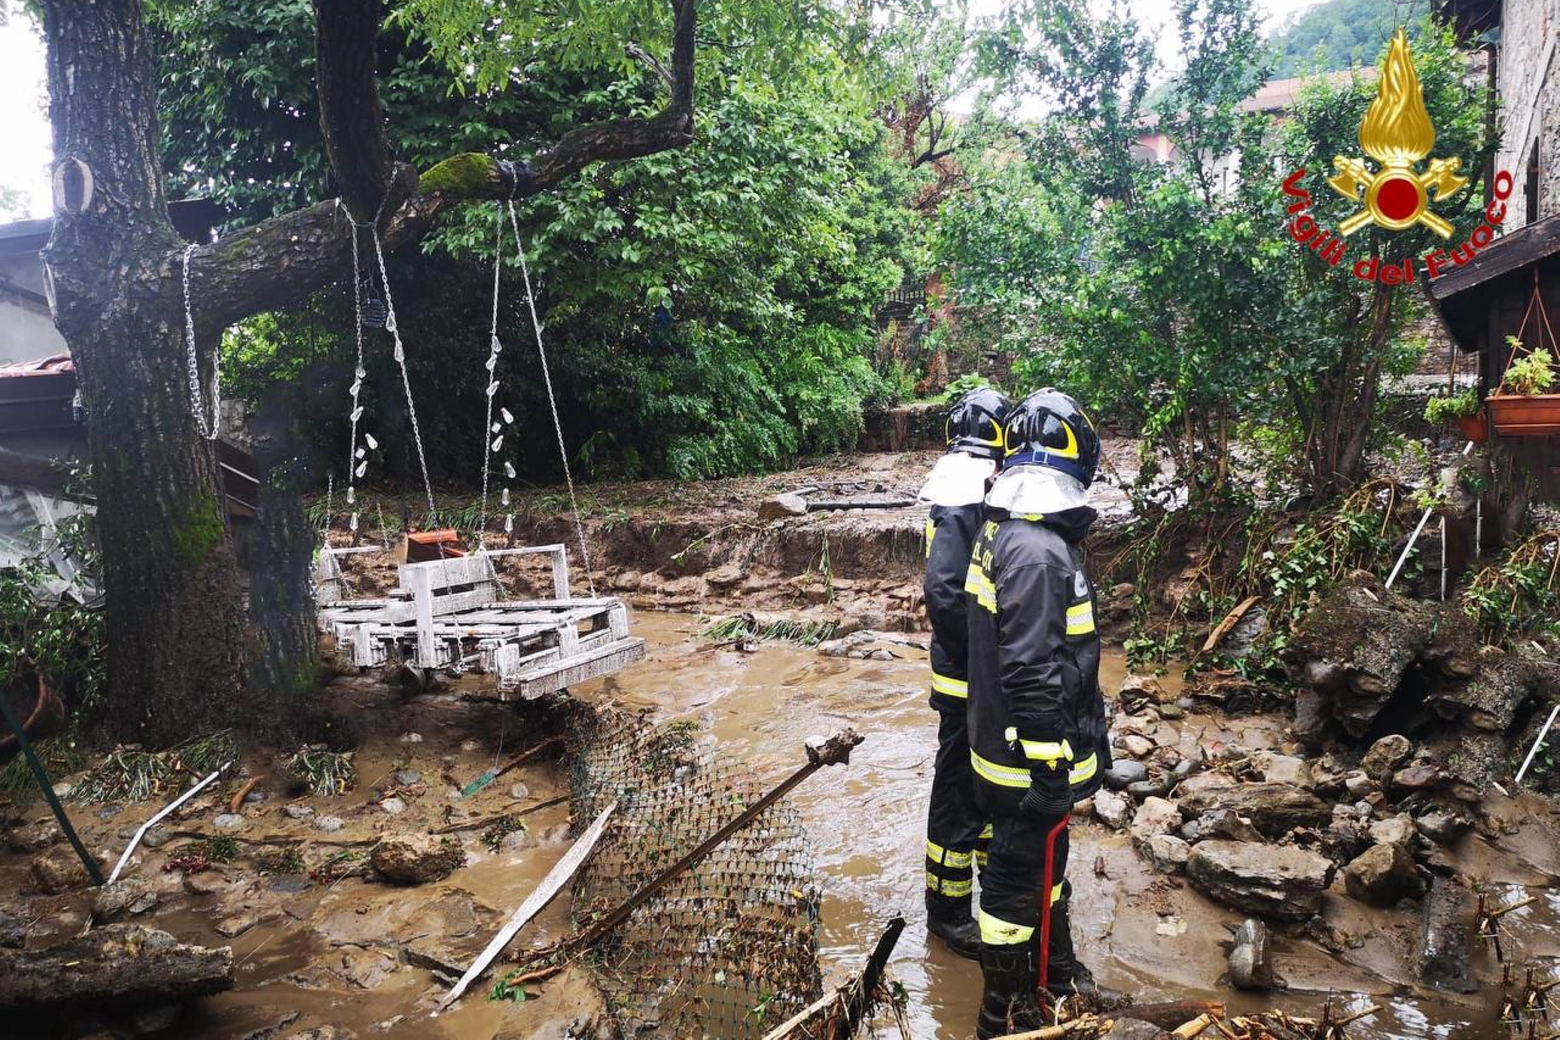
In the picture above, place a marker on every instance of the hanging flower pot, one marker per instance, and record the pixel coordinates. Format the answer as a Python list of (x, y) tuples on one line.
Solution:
[(1474, 427), (1524, 405), (1515, 415)]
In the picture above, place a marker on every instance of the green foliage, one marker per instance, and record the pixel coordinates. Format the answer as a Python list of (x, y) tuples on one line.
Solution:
[(1445, 408), (1517, 596), (1341, 34), (506, 988), (964, 384), (1533, 373)]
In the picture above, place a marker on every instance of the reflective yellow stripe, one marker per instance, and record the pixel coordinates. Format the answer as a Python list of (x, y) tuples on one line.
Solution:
[(981, 858), (1046, 750), (986, 832), (1036, 517), (981, 587), (950, 888), (1080, 619), (952, 687), (937, 854), (996, 932), (931, 532), (1013, 776), (1056, 893)]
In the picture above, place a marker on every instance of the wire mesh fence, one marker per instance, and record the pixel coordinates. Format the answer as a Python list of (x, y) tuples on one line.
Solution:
[(730, 948)]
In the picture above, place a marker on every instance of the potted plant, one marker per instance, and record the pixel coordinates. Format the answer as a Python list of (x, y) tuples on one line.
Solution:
[(1464, 409), (1523, 405)]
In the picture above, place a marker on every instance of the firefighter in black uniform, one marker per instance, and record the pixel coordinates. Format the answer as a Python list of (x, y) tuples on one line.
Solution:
[(956, 489), (1036, 718)]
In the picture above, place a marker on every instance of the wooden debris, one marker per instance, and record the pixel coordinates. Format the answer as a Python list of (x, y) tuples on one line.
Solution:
[(237, 801), (1087, 1024), (815, 505), (497, 771), (1230, 621), (116, 965), (483, 821), (853, 995)]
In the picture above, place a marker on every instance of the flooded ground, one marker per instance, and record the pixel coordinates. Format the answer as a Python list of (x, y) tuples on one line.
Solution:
[(358, 956)]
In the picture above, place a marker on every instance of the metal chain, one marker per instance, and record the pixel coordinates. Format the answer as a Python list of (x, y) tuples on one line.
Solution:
[(358, 372), (552, 401), (406, 380), (492, 370), (209, 427)]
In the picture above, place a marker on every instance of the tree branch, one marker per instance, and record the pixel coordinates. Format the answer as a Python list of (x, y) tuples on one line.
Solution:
[(281, 260)]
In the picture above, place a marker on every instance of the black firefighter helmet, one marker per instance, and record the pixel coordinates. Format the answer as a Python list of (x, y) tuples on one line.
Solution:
[(974, 424), (1050, 428)]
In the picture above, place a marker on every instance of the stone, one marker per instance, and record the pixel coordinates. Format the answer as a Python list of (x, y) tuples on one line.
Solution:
[(124, 898), (1358, 784), (59, 870), (1219, 823), (63, 789), (1154, 816), (416, 858), (1133, 1029), (411, 738), (34, 837), (1112, 810), (229, 822), (156, 837), (394, 806), (1123, 772), (1243, 635), (13, 931), (1415, 778), (1148, 788), (329, 824), (1381, 875), (1278, 881), (556, 835), (1142, 687), (1286, 769), (1251, 965), (108, 812), (1386, 755), (1444, 941), (322, 1033), (407, 777), (519, 791), (1135, 745), (1273, 809), (236, 925), (777, 507), (1171, 711), (256, 796), (1167, 853), (290, 884), (298, 812), (1443, 827), (470, 745), (514, 841), (1394, 830)]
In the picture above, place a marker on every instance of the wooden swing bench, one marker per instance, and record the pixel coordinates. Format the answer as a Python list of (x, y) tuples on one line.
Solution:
[(450, 615)]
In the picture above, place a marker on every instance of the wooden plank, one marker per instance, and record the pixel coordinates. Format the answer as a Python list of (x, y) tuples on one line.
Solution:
[(610, 658), (1524, 246)]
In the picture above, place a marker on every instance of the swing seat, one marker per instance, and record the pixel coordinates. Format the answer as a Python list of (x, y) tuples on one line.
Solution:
[(451, 615)]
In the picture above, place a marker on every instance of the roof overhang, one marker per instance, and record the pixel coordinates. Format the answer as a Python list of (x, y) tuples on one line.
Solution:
[(1462, 294)]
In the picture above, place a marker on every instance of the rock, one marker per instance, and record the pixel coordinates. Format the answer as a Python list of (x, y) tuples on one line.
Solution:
[(1167, 853), (1444, 938), (1381, 875), (256, 796), (468, 745), (156, 837), (34, 837), (1251, 965), (514, 841), (556, 835), (290, 884), (392, 805), (1442, 826), (519, 791), (58, 871), (63, 789), (13, 931), (108, 812), (1386, 755), (1285, 769), (298, 812), (1171, 711), (1123, 772), (117, 964), (1273, 809), (1149, 788), (1415, 778), (417, 858), (229, 822), (1358, 784), (364, 968), (411, 738), (1133, 1029), (1135, 745), (1154, 816), (1142, 687), (1277, 881), (124, 898), (329, 824), (407, 777), (1219, 823), (779, 506), (1112, 810), (238, 924), (322, 1033), (1394, 830), (1241, 637)]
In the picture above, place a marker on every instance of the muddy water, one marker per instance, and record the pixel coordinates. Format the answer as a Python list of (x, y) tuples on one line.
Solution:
[(1141, 932)]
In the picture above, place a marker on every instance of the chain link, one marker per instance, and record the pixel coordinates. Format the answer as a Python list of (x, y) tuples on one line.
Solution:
[(209, 426), (492, 371), (406, 380)]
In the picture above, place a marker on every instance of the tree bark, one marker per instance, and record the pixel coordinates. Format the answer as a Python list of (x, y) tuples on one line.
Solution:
[(175, 617), (117, 964)]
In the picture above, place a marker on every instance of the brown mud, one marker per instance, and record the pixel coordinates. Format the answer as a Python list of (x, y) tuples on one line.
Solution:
[(355, 954)]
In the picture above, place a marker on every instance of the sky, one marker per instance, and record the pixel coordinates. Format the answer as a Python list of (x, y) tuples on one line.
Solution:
[(25, 147)]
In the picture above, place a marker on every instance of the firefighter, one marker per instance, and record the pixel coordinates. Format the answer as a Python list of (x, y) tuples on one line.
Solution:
[(1036, 718), (956, 487)]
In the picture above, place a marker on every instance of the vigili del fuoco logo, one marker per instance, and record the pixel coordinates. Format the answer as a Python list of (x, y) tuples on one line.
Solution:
[(1398, 194)]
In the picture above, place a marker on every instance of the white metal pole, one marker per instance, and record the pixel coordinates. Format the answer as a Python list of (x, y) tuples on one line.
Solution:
[(1443, 559), (186, 796), (1534, 749), (1413, 538)]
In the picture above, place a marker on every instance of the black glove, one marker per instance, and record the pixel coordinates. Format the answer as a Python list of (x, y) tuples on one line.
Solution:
[(1049, 794)]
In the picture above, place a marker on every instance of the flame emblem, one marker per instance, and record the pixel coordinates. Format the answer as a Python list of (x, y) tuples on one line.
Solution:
[(1397, 133)]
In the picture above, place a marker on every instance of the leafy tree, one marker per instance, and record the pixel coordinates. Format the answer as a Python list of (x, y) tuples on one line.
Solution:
[(1342, 34)]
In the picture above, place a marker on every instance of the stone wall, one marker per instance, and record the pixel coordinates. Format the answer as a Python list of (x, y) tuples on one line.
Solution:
[(1528, 75)]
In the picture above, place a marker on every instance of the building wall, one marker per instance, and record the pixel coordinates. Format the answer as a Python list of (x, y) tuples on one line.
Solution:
[(26, 330), (1528, 79)]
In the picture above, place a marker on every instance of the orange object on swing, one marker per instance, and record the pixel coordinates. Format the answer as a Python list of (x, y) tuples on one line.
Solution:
[(1515, 414), (427, 546)]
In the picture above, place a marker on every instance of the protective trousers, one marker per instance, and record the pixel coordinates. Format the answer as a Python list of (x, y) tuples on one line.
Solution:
[(1024, 878), (956, 831)]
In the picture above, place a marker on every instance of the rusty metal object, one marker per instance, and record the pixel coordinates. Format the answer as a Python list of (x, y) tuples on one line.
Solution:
[(46, 716)]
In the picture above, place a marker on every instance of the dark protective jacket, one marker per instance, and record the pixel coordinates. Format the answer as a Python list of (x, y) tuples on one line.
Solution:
[(1034, 658), (950, 534)]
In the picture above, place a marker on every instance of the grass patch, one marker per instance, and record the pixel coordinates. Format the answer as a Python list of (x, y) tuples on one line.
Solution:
[(788, 630), (130, 774), (323, 771)]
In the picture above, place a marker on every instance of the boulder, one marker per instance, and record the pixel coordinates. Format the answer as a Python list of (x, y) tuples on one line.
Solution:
[(1385, 756), (1123, 772), (1154, 816), (1415, 778), (33, 837), (1394, 830), (1273, 809), (1167, 853), (1219, 823), (59, 870), (1277, 881), (779, 506), (1135, 745), (1381, 875), (416, 859), (1443, 938), (1251, 965), (1112, 809), (124, 898), (1285, 769), (13, 931), (1443, 826), (1143, 687)]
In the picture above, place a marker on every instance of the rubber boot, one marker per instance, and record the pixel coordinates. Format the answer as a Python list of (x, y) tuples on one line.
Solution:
[(1065, 974), (1009, 1002), (948, 918)]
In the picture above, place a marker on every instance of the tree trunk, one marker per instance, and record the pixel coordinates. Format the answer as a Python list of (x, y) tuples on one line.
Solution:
[(115, 965), (175, 620)]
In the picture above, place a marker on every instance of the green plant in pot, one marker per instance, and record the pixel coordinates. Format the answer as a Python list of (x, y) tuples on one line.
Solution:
[(1534, 374), (1524, 405), (1462, 409)]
